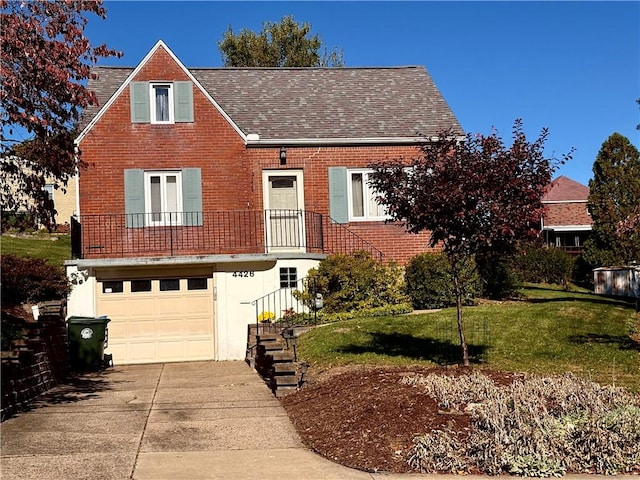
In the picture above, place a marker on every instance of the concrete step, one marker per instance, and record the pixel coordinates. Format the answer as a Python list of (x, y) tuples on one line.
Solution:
[(280, 357), (268, 337), (263, 351), (284, 391), (286, 368), (284, 381), (268, 347)]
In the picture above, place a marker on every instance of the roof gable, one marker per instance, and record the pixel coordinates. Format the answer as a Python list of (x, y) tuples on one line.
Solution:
[(564, 189), (389, 104), (110, 82)]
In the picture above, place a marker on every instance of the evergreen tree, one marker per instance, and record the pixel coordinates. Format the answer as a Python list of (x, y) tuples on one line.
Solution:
[(613, 203)]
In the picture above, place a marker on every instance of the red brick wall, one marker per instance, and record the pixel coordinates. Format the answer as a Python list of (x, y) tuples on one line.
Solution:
[(115, 144), (231, 172), (391, 238)]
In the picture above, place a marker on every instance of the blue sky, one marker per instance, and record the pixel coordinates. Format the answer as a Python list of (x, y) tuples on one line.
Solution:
[(573, 67)]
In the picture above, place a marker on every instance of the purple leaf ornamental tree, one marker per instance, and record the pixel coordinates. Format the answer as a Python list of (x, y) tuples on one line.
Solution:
[(45, 60), (475, 195)]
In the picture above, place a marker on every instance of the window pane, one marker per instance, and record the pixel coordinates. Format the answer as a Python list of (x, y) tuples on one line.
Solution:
[(197, 283), (113, 286), (140, 285), (169, 284), (172, 193), (49, 188), (288, 277), (156, 198), (162, 104), (357, 204), (375, 209)]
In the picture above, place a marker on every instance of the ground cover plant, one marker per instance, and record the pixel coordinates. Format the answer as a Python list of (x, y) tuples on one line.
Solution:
[(357, 410), (533, 426)]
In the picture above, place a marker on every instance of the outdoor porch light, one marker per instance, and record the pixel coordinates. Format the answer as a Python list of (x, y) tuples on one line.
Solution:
[(283, 156)]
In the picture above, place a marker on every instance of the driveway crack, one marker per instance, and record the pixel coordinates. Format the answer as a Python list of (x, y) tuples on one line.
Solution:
[(146, 422)]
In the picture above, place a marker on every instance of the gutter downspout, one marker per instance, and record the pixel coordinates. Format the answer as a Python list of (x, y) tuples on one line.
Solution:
[(76, 153)]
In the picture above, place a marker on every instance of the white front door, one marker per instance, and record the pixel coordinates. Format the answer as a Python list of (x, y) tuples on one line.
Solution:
[(283, 210)]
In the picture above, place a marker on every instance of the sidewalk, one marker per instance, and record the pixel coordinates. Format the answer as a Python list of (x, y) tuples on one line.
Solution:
[(200, 420)]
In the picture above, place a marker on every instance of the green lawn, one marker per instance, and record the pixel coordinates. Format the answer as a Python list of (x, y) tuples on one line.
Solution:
[(552, 331), (54, 248)]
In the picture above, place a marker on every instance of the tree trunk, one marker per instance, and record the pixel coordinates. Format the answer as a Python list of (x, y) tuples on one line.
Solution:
[(463, 340), (455, 270)]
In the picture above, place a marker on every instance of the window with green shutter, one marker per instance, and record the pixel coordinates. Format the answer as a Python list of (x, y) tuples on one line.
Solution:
[(163, 197), (161, 102)]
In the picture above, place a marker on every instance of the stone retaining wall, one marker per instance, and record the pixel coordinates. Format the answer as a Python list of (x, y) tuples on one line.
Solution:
[(36, 362)]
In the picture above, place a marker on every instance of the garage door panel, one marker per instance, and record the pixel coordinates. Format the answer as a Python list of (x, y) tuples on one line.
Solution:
[(157, 326), (198, 307), (140, 352), (139, 329), (172, 305), (171, 350), (170, 328), (198, 348), (116, 306), (197, 327)]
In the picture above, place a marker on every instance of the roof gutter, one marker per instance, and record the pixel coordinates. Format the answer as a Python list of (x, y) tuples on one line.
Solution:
[(306, 142)]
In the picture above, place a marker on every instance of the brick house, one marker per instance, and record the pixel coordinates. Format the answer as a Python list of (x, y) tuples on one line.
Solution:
[(205, 189), (566, 222)]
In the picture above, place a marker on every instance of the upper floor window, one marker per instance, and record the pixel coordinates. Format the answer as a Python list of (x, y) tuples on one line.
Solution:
[(49, 188), (363, 204), (161, 103)]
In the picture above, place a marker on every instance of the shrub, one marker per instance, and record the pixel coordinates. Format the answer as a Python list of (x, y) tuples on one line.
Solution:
[(544, 265), (31, 280), (383, 311), (499, 277), (354, 282), (536, 426), (429, 285), (21, 222)]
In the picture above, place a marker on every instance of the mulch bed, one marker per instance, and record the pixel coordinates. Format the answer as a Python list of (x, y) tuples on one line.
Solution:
[(365, 418)]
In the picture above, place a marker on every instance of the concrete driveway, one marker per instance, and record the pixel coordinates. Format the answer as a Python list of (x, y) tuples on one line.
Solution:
[(200, 420)]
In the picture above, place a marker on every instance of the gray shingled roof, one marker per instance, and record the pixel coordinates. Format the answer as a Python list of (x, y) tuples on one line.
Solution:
[(315, 103)]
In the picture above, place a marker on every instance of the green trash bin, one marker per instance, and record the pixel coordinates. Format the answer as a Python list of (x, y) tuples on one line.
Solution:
[(87, 341)]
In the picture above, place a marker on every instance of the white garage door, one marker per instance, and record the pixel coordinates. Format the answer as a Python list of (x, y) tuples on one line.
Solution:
[(158, 320)]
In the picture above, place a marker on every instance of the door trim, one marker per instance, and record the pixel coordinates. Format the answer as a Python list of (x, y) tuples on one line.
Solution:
[(265, 202)]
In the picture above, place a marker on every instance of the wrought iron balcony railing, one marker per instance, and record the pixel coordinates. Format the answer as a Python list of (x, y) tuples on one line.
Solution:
[(212, 233)]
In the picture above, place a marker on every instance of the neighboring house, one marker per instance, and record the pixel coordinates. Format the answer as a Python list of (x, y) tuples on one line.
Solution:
[(64, 201), (209, 188), (566, 222), (63, 198)]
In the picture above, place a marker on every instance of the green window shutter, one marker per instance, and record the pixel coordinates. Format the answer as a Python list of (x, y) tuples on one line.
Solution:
[(192, 197), (338, 206), (183, 101), (139, 93), (134, 197)]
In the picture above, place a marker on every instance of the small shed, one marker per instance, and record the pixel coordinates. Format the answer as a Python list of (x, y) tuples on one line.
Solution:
[(617, 281)]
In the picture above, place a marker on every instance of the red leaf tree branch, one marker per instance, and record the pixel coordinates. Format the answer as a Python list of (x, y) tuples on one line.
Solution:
[(45, 60), (476, 196)]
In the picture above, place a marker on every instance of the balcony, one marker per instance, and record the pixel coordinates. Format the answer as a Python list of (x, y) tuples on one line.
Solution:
[(212, 233)]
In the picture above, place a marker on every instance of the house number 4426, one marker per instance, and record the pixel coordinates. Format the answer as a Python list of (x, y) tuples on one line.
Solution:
[(244, 274)]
